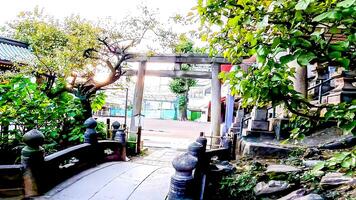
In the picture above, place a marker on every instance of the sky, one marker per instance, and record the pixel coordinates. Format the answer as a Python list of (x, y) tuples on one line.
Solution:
[(98, 9), (90, 9)]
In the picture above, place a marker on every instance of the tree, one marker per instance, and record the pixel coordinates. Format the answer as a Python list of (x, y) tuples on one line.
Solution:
[(70, 52), (181, 86), (303, 30)]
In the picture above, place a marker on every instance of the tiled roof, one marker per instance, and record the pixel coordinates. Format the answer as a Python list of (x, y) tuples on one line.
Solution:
[(12, 51)]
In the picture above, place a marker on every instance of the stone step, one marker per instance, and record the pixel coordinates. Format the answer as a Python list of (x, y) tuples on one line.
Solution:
[(259, 134), (249, 147)]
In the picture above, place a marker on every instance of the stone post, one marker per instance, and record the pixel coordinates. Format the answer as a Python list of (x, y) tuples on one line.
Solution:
[(115, 127), (182, 181), (196, 149), (120, 136), (138, 97), (90, 135), (202, 166), (258, 121), (215, 102), (32, 159), (202, 140), (300, 77)]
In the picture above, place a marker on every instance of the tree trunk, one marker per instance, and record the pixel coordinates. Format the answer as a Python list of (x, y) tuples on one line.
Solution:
[(87, 108), (183, 109)]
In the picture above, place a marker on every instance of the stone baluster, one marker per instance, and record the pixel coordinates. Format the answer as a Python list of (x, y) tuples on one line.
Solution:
[(32, 159), (90, 135), (182, 181), (115, 125), (197, 150), (120, 136), (203, 141)]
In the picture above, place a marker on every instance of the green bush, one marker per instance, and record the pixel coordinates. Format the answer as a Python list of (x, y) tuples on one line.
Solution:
[(24, 104)]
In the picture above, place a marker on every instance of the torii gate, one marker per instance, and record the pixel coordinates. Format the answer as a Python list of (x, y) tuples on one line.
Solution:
[(179, 59)]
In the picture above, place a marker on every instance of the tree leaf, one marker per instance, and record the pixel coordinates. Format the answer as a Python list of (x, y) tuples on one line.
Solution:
[(320, 17), (346, 3), (304, 59), (335, 54), (303, 4), (344, 62), (286, 59)]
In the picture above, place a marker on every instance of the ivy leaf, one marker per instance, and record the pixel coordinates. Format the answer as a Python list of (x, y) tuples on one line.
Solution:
[(286, 59), (340, 46), (346, 3), (347, 163), (335, 54), (344, 62), (304, 59), (303, 4), (319, 166), (320, 17)]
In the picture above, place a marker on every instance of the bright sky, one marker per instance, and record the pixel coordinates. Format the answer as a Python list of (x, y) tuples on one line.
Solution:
[(98, 9), (93, 9)]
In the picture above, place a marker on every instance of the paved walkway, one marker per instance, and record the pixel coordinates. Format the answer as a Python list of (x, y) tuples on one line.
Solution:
[(143, 178), (158, 157)]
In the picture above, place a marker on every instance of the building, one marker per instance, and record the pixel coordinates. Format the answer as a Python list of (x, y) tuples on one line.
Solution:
[(12, 51)]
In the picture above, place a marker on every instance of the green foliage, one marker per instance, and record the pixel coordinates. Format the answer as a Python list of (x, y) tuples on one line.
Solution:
[(344, 113), (23, 103), (59, 47), (277, 33), (101, 129), (240, 185), (98, 101), (181, 86), (340, 161)]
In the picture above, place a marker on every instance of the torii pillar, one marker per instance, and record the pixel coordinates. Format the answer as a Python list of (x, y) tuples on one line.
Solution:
[(138, 97), (215, 102)]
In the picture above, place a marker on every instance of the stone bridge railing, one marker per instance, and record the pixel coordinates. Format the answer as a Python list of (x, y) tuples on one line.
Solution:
[(192, 169), (38, 173)]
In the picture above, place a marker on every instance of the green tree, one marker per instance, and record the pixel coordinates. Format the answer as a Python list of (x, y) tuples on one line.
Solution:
[(302, 30), (181, 86), (70, 52)]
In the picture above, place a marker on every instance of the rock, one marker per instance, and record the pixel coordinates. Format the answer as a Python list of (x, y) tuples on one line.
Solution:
[(262, 150), (311, 163), (295, 194), (311, 152), (310, 197), (271, 187), (225, 166), (282, 169), (336, 179), (300, 195), (347, 142)]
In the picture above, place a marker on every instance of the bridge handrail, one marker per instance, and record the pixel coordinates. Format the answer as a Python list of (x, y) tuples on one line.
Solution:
[(37, 174)]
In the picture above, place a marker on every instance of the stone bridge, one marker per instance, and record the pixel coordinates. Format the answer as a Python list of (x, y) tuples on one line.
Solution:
[(98, 169)]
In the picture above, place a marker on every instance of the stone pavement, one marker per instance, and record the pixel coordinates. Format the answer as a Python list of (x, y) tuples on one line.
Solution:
[(158, 157), (143, 178)]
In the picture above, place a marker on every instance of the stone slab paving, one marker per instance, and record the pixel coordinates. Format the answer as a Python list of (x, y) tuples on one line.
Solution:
[(145, 178), (158, 157)]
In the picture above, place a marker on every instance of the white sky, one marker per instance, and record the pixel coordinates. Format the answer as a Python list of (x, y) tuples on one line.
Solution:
[(92, 9), (98, 9)]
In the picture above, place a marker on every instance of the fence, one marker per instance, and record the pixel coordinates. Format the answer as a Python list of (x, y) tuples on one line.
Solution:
[(192, 170), (37, 174)]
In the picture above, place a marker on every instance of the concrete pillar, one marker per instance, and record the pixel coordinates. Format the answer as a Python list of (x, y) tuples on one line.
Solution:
[(215, 101), (300, 78), (229, 112), (138, 97), (32, 159)]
